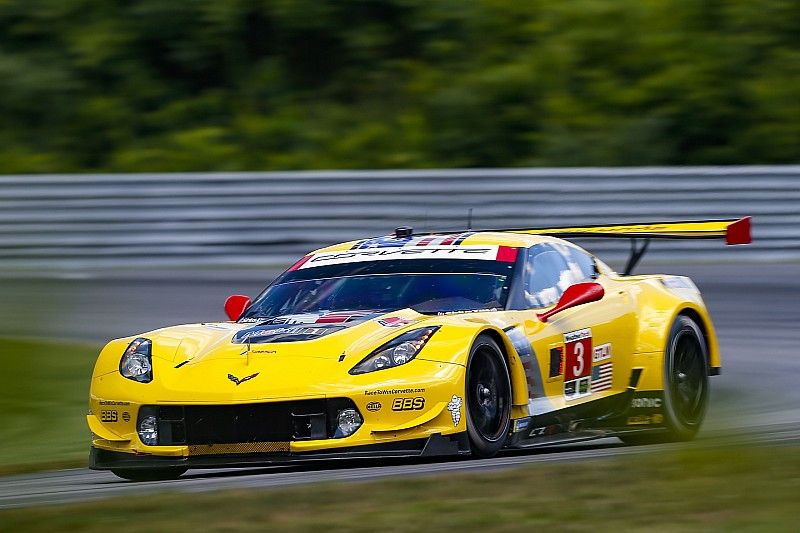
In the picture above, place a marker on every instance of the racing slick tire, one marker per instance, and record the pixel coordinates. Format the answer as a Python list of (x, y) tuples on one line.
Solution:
[(488, 398), (149, 474), (685, 385)]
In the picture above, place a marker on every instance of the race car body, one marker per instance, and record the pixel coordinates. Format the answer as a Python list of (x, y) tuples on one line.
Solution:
[(416, 345)]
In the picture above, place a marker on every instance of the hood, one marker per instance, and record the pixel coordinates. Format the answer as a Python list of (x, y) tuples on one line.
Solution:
[(316, 336), (269, 359), (294, 328)]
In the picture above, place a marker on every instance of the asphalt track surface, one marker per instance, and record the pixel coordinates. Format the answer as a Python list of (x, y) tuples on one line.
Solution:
[(756, 400)]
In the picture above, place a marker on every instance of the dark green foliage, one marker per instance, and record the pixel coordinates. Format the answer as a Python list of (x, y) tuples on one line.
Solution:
[(148, 85)]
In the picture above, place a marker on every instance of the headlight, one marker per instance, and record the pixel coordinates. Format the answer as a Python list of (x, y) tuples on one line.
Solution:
[(396, 352), (137, 361), (148, 430), (348, 422)]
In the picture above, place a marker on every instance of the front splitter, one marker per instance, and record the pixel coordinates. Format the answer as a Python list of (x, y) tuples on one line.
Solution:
[(435, 445)]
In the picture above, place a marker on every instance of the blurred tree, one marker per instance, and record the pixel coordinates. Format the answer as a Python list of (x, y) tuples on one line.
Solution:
[(147, 85)]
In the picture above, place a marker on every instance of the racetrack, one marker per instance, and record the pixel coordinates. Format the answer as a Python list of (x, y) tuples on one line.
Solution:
[(756, 309)]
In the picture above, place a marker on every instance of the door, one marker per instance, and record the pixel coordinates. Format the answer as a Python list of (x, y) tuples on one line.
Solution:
[(583, 353)]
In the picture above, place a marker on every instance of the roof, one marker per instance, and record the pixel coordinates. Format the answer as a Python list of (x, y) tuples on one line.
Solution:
[(496, 238)]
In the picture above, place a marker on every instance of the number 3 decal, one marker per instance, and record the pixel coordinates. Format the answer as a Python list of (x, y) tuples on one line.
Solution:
[(578, 369), (578, 344)]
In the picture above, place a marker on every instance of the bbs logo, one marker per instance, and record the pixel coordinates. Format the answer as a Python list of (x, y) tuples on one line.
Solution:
[(408, 404)]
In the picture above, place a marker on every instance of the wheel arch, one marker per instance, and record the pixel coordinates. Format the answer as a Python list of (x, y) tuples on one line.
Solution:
[(519, 381), (707, 329), (658, 309)]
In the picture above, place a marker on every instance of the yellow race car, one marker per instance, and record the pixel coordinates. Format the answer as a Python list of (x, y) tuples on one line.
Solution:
[(424, 345)]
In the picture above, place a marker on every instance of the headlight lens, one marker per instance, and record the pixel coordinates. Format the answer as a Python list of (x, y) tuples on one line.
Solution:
[(137, 361), (396, 352), (348, 422)]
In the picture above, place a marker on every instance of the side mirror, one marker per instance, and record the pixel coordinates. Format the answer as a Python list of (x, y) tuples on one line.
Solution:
[(578, 294), (235, 306)]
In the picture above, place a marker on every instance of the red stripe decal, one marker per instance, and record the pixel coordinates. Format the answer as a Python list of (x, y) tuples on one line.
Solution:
[(507, 254), (425, 241), (332, 319), (299, 263), (449, 240), (739, 232)]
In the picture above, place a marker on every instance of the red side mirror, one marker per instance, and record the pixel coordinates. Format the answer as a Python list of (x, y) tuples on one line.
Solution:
[(235, 306), (578, 294)]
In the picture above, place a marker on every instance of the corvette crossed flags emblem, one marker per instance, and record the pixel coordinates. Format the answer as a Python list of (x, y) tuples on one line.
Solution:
[(238, 381)]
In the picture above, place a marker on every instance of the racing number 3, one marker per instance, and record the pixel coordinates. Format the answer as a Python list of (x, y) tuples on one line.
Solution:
[(578, 345)]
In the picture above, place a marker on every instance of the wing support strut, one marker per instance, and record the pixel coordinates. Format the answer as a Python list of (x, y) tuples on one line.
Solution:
[(636, 254)]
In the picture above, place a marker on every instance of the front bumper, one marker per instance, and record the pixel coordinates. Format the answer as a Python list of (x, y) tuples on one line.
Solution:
[(433, 446)]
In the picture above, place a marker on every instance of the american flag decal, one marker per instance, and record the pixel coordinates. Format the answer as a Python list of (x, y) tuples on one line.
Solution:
[(601, 377)]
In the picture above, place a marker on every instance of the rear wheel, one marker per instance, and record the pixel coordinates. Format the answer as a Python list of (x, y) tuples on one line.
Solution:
[(488, 398), (685, 384), (149, 474)]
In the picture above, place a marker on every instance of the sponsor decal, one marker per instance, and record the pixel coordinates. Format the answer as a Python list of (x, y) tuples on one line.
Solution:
[(521, 424), (545, 431), (577, 363), (216, 326), (578, 347), (339, 317), (644, 420), (109, 415), (461, 312), (486, 253), (455, 409), (269, 333), (126, 416), (646, 403), (113, 402), (577, 388), (601, 377), (391, 241), (601, 353), (381, 392), (374, 406), (238, 381), (408, 404), (394, 322)]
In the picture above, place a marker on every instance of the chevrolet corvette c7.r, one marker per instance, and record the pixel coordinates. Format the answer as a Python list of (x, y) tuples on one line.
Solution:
[(424, 345)]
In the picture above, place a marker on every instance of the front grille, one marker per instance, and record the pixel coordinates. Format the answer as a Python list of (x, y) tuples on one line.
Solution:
[(264, 425)]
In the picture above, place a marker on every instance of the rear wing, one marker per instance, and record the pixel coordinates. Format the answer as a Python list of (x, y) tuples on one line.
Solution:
[(734, 231)]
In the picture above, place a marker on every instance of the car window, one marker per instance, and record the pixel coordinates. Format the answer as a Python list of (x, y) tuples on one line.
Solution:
[(543, 271), (580, 263), (550, 269)]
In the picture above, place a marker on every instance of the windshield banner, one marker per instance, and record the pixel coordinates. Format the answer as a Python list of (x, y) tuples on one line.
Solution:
[(485, 253)]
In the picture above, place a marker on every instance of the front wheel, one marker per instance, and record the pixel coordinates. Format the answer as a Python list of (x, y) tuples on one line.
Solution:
[(488, 397), (149, 474)]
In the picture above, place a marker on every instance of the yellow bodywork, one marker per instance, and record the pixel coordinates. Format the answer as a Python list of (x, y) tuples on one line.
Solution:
[(633, 318)]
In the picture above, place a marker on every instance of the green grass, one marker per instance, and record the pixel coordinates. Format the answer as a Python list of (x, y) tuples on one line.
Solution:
[(730, 489), (44, 388)]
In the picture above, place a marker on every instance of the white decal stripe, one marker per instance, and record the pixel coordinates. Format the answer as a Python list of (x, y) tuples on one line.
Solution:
[(573, 336), (483, 253)]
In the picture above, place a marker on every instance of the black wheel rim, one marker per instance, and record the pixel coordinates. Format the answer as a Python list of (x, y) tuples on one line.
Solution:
[(487, 395), (687, 379)]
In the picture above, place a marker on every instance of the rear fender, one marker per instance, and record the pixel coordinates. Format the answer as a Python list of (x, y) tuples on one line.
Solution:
[(659, 307)]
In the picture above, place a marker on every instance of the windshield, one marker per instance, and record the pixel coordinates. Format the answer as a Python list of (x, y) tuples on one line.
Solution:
[(427, 286)]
